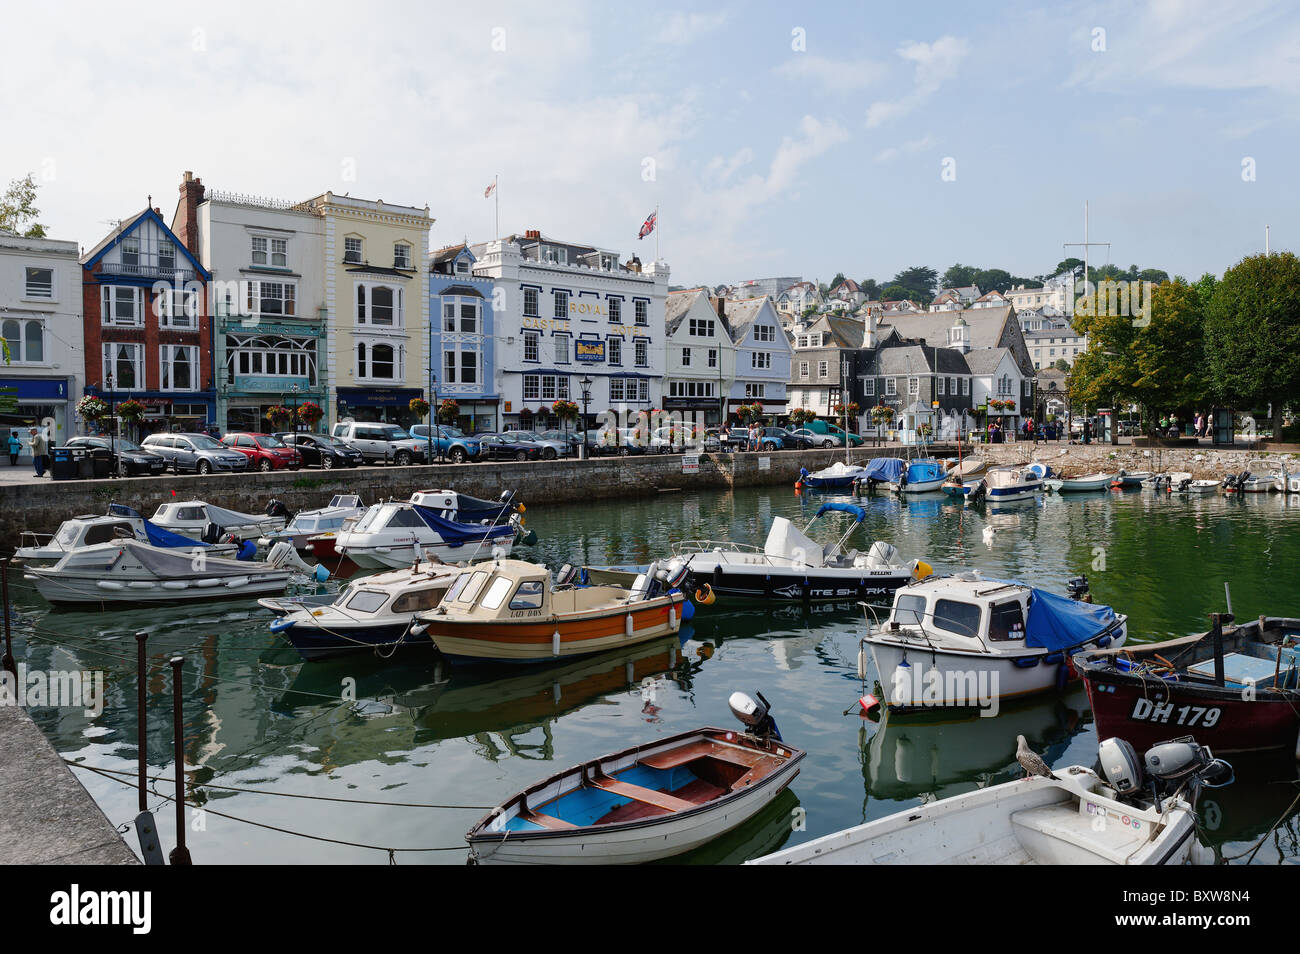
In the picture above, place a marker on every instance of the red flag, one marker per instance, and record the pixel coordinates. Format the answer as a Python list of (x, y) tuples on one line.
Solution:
[(488, 191), (649, 225)]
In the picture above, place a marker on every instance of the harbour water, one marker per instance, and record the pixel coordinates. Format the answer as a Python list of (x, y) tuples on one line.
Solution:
[(258, 717)]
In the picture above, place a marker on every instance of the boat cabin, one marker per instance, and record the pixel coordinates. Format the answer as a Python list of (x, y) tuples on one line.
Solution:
[(958, 610), (394, 593), (515, 590)]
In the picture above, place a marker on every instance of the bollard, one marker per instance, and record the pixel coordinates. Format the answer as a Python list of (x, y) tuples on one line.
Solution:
[(180, 855), (145, 827), (7, 662)]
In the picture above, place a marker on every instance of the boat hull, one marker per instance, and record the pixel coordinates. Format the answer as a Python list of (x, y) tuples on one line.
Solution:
[(313, 642), (797, 586), (66, 591), (397, 556)]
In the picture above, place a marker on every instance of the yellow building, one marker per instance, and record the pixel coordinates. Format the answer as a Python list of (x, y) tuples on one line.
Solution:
[(376, 298)]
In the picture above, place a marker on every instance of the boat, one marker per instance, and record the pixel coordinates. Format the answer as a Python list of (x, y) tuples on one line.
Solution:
[(1235, 687), (919, 477), (394, 534), (120, 523), (838, 475), (649, 802), (1252, 480), (1170, 481), (959, 487), (376, 613), (510, 611), (792, 566), (1287, 482), (1008, 482), (1041, 470), (969, 642), (1135, 813), (204, 521), (967, 467), (129, 571), (309, 523), (1135, 479), (1083, 484), (1187, 485)]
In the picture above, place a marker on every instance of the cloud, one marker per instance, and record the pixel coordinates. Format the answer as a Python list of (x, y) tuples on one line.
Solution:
[(935, 63), (837, 76), (683, 28), (905, 149)]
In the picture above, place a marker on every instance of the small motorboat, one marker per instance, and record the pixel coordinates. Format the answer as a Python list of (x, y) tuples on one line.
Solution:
[(395, 534), (1125, 479), (1136, 813), (510, 611), (1169, 480), (1235, 687), (1041, 470), (792, 566), (309, 523), (1002, 484), (1250, 481), (967, 467), (1186, 485), (204, 521), (1076, 485), (129, 571), (919, 477), (1287, 482), (969, 642), (838, 476), (376, 613), (652, 801), (962, 487), (120, 523)]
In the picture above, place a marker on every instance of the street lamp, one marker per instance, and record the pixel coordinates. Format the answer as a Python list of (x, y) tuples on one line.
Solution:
[(112, 440), (293, 409), (586, 401)]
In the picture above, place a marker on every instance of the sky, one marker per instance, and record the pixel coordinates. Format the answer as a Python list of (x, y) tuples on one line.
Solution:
[(774, 139)]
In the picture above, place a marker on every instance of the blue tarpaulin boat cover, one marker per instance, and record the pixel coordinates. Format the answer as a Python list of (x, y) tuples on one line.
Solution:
[(886, 469), (1058, 622), (858, 513), (457, 534), (156, 534)]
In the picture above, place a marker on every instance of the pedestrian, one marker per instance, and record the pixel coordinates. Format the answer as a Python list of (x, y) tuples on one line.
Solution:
[(1197, 424), (39, 447), (15, 448)]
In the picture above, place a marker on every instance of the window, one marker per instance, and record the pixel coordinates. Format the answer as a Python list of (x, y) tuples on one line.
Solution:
[(561, 343), (449, 316), (259, 255), (642, 312), (754, 390), (1027, 387), (26, 341), (125, 363), (702, 328), (940, 385), (615, 348), (401, 256), (179, 367), (803, 369), (377, 361), (462, 266), (643, 390), (270, 357), (764, 333), (957, 617), (823, 369), (177, 308), (530, 346), (686, 357), (532, 387), (913, 386), (280, 253), (965, 387), (561, 304), (952, 386), (1007, 621), (641, 352), (909, 611), (760, 359), (1004, 384), (469, 367), (555, 255), (695, 389), (870, 387), (891, 387), (527, 596), (616, 389), (40, 283), (469, 311), (167, 257), (379, 305), (616, 310), (121, 305), (130, 251), (530, 302), (352, 251), (713, 357)]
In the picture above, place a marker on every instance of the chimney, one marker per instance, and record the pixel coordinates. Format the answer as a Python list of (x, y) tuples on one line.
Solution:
[(722, 307), (533, 234), (187, 212)]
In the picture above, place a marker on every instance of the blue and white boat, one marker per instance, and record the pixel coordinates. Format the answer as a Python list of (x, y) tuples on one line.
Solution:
[(920, 477), (397, 533), (1002, 484), (838, 476), (308, 523)]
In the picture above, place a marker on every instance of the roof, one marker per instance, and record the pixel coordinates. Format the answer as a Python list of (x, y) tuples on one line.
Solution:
[(448, 252), (130, 225), (995, 327), (678, 304), (986, 361), (845, 332), (742, 314)]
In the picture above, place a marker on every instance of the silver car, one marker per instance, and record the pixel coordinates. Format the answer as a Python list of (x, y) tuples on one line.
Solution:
[(195, 452), (550, 449)]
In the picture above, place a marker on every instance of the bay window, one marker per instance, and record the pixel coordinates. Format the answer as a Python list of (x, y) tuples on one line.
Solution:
[(379, 305)]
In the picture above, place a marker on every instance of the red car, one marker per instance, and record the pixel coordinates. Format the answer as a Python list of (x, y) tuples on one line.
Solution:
[(263, 451)]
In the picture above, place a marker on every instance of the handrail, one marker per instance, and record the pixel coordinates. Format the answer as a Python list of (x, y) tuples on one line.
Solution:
[(707, 546)]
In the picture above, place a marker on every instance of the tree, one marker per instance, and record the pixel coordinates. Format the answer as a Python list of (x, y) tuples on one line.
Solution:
[(871, 288), (1069, 265), (1157, 276), (1061, 365), (993, 279), (1252, 333), (919, 281), (1169, 351), (895, 293), (18, 207), (835, 282), (959, 275)]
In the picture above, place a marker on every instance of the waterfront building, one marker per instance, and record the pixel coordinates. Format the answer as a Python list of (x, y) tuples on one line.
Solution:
[(147, 325), (762, 355), (267, 262), (699, 367), (822, 348), (40, 322), (462, 326), (923, 384), (572, 311)]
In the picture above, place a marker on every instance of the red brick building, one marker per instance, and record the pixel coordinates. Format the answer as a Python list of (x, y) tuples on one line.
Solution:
[(148, 330)]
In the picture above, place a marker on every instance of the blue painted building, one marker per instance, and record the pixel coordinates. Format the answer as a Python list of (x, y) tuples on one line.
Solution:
[(461, 339)]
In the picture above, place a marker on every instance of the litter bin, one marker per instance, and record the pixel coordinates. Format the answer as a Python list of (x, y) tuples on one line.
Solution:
[(101, 462), (64, 462)]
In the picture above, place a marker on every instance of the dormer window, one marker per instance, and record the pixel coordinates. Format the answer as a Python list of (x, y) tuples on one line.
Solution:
[(608, 262), (462, 266), (401, 256), (554, 255)]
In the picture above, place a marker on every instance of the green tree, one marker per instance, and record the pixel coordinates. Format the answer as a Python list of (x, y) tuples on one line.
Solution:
[(871, 288), (1169, 351), (1062, 365), (919, 281), (835, 282), (959, 275), (1252, 333), (1069, 265), (993, 279), (1205, 286), (18, 208)]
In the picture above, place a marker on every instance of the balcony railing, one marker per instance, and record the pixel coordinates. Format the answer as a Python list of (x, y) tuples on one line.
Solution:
[(160, 273)]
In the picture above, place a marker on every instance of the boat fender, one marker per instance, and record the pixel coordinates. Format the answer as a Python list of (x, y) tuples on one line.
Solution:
[(207, 583), (555, 639), (1027, 662), (1103, 642), (862, 663), (672, 617), (237, 581), (109, 585), (321, 573), (280, 625), (1062, 677), (705, 596), (627, 625), (902, 694), (717, 575), (688, 611), (1054, 659), (174, 585)]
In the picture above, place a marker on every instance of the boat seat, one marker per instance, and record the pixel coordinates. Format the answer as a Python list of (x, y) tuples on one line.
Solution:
[(639, 793), (697, 750), (1064, 821), (546, 821)]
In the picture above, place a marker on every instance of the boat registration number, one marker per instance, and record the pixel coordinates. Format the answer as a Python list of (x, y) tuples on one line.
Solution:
[(1144, 710)]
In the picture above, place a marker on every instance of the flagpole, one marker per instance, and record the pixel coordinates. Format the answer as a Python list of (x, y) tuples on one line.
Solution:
[(496, 193), (656, 234)]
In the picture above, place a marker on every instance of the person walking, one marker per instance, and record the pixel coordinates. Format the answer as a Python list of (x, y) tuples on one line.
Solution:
[(15, 448), (39, 447)]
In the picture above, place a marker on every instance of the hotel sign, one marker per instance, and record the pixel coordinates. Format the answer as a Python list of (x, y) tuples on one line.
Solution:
[(589, 350)]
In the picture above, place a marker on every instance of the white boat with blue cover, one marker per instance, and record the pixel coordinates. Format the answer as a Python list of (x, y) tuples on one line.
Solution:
[(919, 477), (397, 533), (967, 642), (838, 476), (120, 523), (1010, 482)]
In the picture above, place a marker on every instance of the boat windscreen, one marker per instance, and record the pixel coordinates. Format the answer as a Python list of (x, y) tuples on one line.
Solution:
[(496, 593)]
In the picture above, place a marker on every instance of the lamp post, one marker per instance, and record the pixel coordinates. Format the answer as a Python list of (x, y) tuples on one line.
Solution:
[(293, 408), (435, 417), (112, 439), (586, 423)]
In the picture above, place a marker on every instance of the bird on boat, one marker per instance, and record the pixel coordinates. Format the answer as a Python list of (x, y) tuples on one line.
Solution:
[(1031, 761)]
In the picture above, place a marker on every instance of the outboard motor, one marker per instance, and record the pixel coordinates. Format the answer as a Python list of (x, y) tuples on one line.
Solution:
[(756, 717), (276, 508), (677, 573), (211, 534), (1078, 587), (1120, 766), (1165, 768), (567, 575), (881, 555)]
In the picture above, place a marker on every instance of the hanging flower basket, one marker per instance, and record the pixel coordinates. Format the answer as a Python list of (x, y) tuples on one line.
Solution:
[(801, 416), (448, 411), (279, 415), (851, 409), (91, 408), (310, 413), (882, 412), (419, 407), (130, 410), (925, 430), (565, 410)]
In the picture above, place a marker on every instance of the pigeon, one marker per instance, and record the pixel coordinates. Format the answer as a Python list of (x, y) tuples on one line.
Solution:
[(1031, 761)]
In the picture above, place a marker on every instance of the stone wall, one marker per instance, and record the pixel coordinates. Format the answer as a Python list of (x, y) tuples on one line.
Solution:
[(41, 506), (1202, 462)]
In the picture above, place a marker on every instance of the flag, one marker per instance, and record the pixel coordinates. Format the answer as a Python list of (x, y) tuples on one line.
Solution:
[(649, 225), (490, 189)]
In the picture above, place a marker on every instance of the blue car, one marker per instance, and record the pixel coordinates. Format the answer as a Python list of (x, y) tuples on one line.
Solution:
[(453, 444)]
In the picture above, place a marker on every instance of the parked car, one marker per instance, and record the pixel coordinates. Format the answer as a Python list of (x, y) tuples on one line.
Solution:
[(195, 452), (321, 450), (833, 430), (264, 452), (507, 446), (449, 442), (780, 438), (550, 449), (819, 439), (557, 434), (381, 443), (132, 459)]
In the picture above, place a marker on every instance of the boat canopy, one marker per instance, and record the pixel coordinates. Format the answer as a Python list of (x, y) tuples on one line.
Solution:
[(156, 534), (1058, 622), (455, 534), (885, 469), (786, 541), (858, 513)]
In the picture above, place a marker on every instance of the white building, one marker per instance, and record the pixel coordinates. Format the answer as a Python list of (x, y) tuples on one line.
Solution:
[(571, 312), (762, 355), (40, 321), (700, 364)]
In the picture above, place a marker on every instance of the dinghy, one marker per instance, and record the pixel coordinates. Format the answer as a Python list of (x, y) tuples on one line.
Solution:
[(1085, 484), (968, 642), (1074, 817), (652, 801), (792, 566), (1002, 484), (1128, 480), (968, 467)]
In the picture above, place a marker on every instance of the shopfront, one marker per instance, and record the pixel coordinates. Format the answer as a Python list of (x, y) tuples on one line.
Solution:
[(37, 402), (386, 405)]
